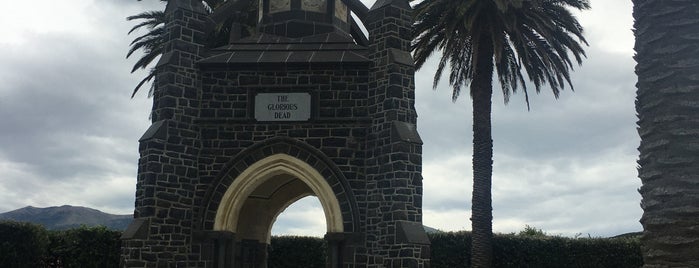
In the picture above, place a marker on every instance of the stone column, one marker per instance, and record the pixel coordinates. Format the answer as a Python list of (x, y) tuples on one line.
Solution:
[(167, 169), (394, 154)]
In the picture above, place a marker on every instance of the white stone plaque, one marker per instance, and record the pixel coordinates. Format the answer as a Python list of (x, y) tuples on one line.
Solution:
[(282, 106)]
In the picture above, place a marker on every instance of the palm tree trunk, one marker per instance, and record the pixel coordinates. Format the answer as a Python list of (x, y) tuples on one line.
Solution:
[(667, 46), (481, 203)]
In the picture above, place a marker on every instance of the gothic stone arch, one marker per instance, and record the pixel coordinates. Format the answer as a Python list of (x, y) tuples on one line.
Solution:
[(282, 171), (307, 106), (285, 159)]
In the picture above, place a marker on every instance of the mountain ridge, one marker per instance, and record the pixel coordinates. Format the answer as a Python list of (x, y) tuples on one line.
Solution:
[(67, 216)]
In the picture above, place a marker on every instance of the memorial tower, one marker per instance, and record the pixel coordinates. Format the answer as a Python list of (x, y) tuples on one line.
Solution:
[(308, 105)]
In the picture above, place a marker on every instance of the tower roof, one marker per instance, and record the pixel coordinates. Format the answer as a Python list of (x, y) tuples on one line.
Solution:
[(271, 50)]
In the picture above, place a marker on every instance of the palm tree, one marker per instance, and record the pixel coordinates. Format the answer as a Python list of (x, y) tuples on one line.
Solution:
[(152, 42), (667, 102), (479, 37)]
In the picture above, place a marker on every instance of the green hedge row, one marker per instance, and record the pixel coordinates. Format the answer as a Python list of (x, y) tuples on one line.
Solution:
[(22, 244), (297, 251), (84, 247), (29, 245), (454, 250)]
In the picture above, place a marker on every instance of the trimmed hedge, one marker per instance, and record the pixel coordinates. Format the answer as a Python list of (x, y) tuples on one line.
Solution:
[(450, 250), (297, 251), (30, 245), (85, 247), (22, 244)]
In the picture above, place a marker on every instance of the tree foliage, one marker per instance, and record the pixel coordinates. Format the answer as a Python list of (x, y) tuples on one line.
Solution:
[(29, 245), (297, 251), (85, 247), (479, 38), (535, 36), (151, 43), (224, 14), (22, 244)]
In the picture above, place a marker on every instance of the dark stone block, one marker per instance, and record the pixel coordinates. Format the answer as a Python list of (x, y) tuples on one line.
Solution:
[(318, 132), (320, 79), (410, 263), (394, 91), (297, 133), (268, 81), (209, 133), (394, 42), (406, 253), (344, 112), (190, 93), (224, 113), (151, 257), (177, 213), (162, 213), (167, 196), (248, 80)]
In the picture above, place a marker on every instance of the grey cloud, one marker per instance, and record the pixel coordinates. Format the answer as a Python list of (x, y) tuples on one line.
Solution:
[(66, 116), (68, 126), (566, 166)]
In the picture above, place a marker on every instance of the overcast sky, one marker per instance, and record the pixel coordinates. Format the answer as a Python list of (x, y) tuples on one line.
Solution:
[(69, 131)]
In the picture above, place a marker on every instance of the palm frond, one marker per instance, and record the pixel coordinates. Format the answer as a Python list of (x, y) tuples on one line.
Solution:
[(541, 38), (146, 79)]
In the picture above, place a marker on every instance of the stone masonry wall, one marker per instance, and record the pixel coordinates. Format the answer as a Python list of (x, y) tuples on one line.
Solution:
[(337, 127), (394, 162), (168, 165)]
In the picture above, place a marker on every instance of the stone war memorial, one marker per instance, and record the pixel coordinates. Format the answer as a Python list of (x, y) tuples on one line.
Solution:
[(308, 105)]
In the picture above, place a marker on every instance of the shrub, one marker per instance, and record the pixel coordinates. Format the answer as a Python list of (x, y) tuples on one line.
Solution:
[(22, 244), (533, 248), (297, 251), (29, 245), (452, 249), (85, 247)]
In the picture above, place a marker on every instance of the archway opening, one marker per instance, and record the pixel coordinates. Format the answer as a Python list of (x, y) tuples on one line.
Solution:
[(259, 195), (302, 218), (298, 236)]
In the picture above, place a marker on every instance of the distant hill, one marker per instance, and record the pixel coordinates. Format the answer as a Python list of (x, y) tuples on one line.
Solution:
[(629, 235), (66, 217), (431, 230)]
